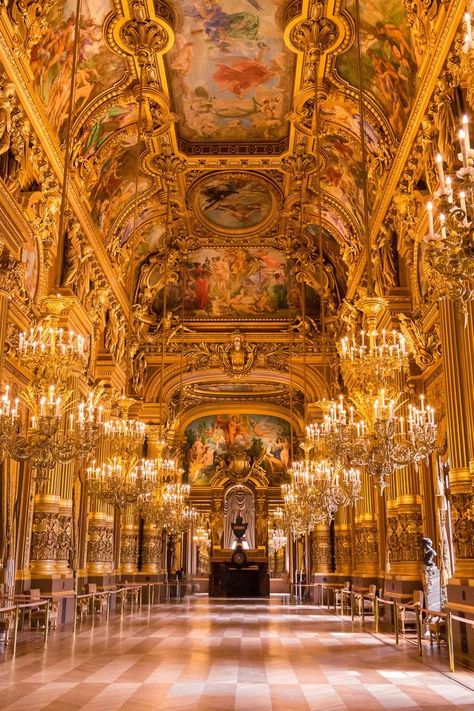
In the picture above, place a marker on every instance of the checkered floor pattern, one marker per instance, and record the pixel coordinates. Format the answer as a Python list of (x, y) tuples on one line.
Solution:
[(205, 655)]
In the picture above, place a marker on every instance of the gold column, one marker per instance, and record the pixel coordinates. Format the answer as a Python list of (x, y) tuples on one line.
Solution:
[(45, 535), (343, 545), (457, 345), (8, 280), (99, 543), (366, 563), (321, 550), (152, 548), (154, 441), (129, 542)]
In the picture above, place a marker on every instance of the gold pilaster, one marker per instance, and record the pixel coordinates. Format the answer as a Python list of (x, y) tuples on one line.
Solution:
[(129, 542), (457, 343), (99, 543), (321, 550)]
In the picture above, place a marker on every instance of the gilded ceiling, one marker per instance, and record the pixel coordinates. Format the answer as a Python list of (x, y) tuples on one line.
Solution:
[(228, 93), (217, 192)]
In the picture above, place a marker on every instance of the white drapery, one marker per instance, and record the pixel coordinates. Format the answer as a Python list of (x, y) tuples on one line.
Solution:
[(239, 500)]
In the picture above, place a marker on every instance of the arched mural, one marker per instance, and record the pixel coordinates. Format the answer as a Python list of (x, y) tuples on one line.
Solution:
[(262, 437)]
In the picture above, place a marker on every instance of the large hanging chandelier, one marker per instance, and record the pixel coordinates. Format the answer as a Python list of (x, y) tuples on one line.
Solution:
[(392, 441), (369, 359), (277, 539), (121, 484), (178, 516), (56, 430), (450, 238), (316, 491)]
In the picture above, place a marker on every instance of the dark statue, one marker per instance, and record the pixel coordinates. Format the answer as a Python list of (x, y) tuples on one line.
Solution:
[(429, 553), (239, 527)]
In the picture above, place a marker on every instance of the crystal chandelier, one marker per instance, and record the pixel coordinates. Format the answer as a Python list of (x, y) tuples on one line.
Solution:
[(178, 516), (53, 434), (370, 359), (51, 353), (120, 484), (316, 491), (391, 441), (9, 419), (450, 238), (277, 539), (338, 435), (201, 537)]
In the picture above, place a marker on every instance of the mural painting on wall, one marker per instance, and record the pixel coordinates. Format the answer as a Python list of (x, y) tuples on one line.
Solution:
[(116, 185), (207, 438), (115, 119), (98, 68), (230, 72), (234, 201), (30, 258), (388, 59), (343, 175), (241, 283)]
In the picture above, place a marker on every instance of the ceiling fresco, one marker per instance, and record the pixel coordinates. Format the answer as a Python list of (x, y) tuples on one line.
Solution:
[(98, 67), (228, 83), (231, 203), (230, 73), (228, 98), (388, 59), (232, 283)]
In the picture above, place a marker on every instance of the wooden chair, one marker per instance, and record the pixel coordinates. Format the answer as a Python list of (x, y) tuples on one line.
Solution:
[(368, 600), (407, 618), (6, 625), (101, 602), (82, 609), (38, 615), (436, 627), (339, 593)]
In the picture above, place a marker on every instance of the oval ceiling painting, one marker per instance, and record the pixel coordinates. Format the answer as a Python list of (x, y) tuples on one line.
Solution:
[(235, 202)]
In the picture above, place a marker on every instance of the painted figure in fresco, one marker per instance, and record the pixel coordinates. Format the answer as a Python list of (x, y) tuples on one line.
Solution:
[(115, 119), (221, 28), (214, 194), (201, 275), (259, 436), (241, 74)]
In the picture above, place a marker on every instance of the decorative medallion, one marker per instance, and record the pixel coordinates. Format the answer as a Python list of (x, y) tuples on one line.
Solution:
[(235, 202)]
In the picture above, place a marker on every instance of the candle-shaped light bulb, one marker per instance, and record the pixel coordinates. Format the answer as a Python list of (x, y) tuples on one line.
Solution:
[(462, 141), (440, 170), (429, 209), (449, 186), (465, 126), (467, 20)]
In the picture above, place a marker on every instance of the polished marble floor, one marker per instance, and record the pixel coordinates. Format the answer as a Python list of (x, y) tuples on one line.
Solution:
[(204, 655)]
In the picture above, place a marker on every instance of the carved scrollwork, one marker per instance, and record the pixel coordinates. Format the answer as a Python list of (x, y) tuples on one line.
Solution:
[(404, 537), (99, 544), (144, 38), (424, 346), (366, 546), (314, 36), (462, 512)]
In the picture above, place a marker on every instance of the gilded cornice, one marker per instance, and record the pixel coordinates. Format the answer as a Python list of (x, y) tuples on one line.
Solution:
[(15, 229)]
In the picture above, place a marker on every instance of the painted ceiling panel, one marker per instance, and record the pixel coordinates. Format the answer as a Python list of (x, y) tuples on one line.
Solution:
[(388, 59), (51, 58), (230, 74)]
